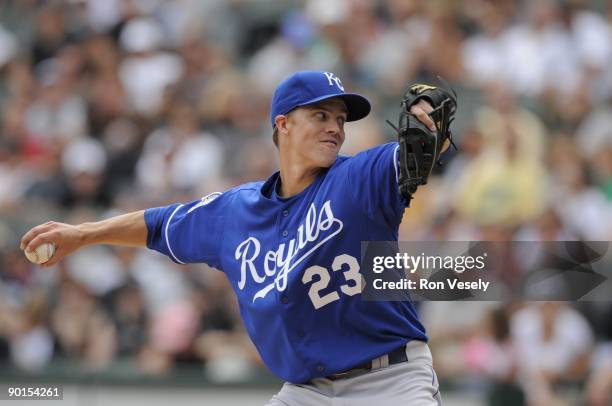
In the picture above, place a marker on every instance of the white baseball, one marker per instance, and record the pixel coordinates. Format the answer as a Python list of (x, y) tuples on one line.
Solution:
[(41, 254)]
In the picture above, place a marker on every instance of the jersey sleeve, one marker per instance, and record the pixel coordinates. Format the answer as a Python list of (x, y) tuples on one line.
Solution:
[(373, 180), (189, 233)]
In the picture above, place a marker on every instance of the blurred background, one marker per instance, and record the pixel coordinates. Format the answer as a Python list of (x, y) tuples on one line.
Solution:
[(109, 106)]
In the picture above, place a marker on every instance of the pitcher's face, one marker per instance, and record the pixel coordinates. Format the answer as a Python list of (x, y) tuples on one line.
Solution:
[(316, 132)]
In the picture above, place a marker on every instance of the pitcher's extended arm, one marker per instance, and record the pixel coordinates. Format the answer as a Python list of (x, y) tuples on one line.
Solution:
[(128, 230)]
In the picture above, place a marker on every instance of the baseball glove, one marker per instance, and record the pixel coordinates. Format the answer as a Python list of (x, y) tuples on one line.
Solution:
[(420, 147)]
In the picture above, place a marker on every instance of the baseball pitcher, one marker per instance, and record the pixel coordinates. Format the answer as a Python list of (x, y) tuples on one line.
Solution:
[(290, 245)]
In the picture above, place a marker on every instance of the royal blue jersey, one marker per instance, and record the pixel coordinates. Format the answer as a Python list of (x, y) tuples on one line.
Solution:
[(294, 262)]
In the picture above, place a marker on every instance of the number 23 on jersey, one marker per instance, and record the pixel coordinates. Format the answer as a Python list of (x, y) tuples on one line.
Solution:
[(352, 286)]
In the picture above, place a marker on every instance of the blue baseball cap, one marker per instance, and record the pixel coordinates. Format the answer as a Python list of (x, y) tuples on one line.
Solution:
[(308, 87)]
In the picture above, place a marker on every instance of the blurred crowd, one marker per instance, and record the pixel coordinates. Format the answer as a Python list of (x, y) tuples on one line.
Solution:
[(117, 105)]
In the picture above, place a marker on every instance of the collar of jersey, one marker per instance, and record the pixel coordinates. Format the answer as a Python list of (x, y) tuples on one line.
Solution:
[(269, 189)]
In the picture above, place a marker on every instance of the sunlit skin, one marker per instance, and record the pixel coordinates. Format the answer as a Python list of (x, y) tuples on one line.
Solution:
[(310, 137)]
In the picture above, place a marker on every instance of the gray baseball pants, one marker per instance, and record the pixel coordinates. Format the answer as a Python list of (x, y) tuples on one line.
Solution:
[(410, 383)]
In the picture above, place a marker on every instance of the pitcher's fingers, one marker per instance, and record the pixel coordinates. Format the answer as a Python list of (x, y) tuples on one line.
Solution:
[(30, 235), (423, 104), (39, 239), (424, 118), (27, 237)]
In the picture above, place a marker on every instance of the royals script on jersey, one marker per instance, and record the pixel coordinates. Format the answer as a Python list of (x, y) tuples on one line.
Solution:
[(294, 263)]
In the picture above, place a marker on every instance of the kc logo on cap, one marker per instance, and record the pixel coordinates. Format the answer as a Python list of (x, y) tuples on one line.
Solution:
[(308, 87), (331, 77)]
